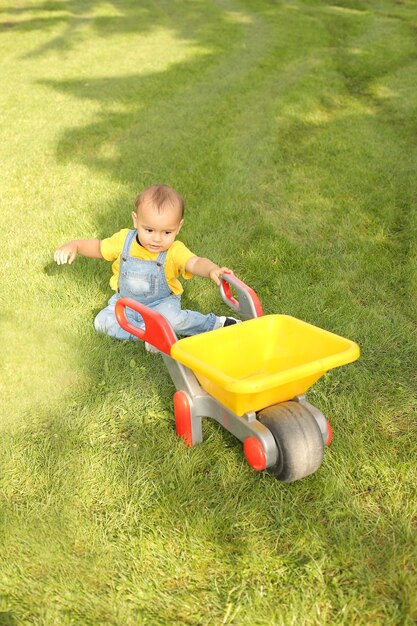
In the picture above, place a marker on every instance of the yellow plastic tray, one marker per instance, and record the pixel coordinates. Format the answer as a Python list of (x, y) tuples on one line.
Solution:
[(270, 359)]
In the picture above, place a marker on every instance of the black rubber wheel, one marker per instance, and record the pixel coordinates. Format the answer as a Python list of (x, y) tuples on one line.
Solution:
[(298, 438)]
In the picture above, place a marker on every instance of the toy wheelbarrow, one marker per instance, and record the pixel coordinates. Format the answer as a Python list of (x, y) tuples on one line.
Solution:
[(251, 378)]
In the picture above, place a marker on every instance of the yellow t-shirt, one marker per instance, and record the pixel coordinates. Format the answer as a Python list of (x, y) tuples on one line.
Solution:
[(178, 255)]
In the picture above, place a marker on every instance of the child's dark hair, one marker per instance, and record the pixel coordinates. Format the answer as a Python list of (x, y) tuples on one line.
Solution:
[(161, 196)]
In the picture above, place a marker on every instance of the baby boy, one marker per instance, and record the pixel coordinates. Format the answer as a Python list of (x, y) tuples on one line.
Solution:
[(146, 263)]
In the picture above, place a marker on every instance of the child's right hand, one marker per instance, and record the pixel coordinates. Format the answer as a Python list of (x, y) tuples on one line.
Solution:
[(66, 253)]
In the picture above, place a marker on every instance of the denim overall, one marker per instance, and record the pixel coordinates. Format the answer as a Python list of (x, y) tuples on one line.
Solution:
[(145, 281)]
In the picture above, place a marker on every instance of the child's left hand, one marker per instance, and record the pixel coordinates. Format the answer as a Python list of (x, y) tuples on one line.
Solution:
[(216, 273)]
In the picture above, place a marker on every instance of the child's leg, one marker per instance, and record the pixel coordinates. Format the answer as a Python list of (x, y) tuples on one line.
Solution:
[(106, 322), (183, 321)]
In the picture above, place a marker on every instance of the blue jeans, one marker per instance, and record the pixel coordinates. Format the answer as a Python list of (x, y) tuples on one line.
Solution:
[(183, 322)]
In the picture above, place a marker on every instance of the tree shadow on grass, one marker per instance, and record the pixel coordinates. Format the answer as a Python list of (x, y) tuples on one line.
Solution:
[(7, 618), (80, 19)]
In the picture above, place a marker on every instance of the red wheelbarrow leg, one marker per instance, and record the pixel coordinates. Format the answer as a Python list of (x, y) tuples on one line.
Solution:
[(183, 423), (254, 453), (329, 433)]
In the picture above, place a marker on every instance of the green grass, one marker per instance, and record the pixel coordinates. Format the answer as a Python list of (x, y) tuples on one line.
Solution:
[(290, 128)]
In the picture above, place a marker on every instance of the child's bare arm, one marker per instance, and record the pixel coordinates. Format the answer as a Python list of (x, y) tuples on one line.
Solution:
[(206, 268), (85, 247)]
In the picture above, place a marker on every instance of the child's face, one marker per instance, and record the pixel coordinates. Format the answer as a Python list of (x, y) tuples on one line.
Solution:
[(157, 230)]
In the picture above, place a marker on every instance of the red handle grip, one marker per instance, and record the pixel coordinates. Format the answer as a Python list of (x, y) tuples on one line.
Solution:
[(231, 300), (157, 330), (248, 306)]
